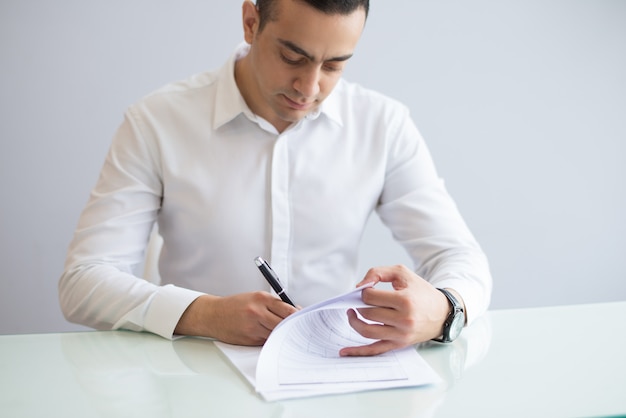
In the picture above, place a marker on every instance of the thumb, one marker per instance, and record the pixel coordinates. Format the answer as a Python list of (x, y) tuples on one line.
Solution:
[(370, 277)]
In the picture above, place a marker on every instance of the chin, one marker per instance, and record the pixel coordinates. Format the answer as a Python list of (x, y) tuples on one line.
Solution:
[(292, 116)]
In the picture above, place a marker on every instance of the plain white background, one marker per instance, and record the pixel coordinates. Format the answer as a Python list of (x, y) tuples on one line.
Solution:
[(523, 104)]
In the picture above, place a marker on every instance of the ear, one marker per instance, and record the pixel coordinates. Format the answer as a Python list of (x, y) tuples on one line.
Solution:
[(250, 20)]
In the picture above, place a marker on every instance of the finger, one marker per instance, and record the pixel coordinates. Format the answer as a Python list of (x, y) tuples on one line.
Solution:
[(253, 334), (372, 331), (378, 347), (384, 298), (386, 316), (373, 275), (396, 275), (276, 311), (280, 308), (368, 279), (261, 334)]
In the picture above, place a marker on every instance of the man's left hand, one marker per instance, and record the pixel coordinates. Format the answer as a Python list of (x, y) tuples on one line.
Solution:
[(413, 311)]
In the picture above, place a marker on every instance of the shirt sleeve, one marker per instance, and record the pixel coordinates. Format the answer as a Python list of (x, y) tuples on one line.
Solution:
[(100, 286), (425, 220)]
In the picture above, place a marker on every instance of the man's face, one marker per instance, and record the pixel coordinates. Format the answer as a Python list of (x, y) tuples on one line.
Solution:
[(296, 60)]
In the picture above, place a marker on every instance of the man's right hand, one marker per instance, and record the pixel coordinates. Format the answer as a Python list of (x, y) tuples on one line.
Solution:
[(243, 319)]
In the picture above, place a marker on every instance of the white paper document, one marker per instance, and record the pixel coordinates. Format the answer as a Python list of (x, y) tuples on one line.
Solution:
[(301, 356)]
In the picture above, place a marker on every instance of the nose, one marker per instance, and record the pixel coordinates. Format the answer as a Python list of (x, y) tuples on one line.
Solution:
[(307, 83)]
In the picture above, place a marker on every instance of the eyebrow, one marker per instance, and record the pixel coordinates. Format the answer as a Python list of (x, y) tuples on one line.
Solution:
[(295, 48)]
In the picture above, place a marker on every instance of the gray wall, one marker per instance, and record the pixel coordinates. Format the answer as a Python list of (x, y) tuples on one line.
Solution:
[(523, 104)]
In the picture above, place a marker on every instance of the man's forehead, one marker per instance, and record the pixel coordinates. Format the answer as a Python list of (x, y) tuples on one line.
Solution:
[(315, 34)]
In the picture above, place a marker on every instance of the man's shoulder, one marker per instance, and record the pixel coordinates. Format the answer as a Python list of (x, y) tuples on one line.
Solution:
[(355, 99), (196, 82), (353, 92), (195, 92)]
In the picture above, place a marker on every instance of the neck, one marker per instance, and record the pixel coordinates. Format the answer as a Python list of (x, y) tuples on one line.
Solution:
[(246, 86)]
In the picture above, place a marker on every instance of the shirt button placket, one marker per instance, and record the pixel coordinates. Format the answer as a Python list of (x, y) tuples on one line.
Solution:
[(281, 218)]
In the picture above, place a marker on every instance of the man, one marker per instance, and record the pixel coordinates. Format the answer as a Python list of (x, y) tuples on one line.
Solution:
[(273, 155)]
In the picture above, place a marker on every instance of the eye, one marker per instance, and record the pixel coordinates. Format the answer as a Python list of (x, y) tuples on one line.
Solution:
[(289, 60), (333, 66)]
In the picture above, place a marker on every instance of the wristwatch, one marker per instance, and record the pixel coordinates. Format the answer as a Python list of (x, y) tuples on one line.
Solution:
[(455, 321)]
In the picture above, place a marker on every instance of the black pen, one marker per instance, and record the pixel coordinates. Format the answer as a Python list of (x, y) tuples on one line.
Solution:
[(272, 279)]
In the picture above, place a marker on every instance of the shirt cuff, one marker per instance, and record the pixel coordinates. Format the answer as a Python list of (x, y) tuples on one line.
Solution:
[(166, 308), (474, 299)]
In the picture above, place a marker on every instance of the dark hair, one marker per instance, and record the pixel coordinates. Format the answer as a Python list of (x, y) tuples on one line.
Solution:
[(268, 8)]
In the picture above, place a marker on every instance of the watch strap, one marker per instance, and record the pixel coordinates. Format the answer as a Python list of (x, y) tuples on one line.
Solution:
[(456, 308)]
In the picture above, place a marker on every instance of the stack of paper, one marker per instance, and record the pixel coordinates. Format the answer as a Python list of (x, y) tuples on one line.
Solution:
[(300, 358)]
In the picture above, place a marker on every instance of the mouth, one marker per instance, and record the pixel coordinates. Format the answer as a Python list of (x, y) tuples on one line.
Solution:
[(297, 105)]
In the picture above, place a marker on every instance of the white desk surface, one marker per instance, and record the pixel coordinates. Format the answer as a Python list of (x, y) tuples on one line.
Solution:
[(543, 362)]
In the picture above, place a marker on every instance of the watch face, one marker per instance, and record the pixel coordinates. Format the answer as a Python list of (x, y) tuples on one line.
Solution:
[(457, 325)]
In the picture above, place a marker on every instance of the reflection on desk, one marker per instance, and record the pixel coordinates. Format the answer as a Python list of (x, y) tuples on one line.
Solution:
[(120, 372), (531, 362)]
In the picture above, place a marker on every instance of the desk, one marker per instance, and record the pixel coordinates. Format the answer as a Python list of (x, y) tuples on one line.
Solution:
[(541, 362)]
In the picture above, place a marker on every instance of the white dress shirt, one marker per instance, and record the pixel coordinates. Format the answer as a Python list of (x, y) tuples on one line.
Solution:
[(224, 187)]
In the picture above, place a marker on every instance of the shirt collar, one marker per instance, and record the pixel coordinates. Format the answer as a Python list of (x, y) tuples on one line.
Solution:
[(232, 102), (331, 106)]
